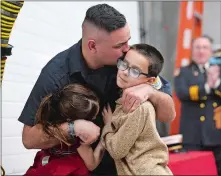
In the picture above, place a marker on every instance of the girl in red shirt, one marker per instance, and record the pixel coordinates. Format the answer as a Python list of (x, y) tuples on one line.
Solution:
[(71, 103)]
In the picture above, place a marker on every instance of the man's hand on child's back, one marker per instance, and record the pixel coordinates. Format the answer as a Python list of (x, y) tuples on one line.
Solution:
[(134, 96)]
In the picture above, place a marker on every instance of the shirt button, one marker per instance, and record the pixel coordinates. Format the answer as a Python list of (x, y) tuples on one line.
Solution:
[(202, 118), (202, 105), (215, 105)]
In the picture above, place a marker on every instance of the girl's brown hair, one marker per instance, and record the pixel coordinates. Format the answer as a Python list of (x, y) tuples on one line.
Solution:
[(73, 102)]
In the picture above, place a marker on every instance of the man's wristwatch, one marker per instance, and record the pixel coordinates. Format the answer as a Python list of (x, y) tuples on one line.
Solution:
[(71, 133)]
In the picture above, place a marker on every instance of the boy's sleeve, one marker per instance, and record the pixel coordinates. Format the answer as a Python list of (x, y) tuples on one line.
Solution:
[(166, 86), (119, 138)]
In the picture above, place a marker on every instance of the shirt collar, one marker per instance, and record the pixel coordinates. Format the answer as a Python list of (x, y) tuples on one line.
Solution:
[(202, 67), (76, 60)]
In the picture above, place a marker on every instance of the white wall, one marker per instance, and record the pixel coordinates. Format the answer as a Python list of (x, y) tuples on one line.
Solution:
[(212, 21), (41, 30)]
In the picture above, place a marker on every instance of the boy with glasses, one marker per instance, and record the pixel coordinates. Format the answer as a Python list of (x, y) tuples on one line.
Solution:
[(132, 138)]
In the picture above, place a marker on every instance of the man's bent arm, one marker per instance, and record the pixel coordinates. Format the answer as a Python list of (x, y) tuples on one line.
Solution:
[(35, 138), (164, 106)]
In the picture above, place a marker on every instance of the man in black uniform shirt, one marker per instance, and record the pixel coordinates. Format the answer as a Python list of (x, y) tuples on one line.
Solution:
[(92, 61)]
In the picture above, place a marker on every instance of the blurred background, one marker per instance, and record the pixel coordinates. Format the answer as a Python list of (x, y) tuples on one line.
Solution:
[(42, 29)]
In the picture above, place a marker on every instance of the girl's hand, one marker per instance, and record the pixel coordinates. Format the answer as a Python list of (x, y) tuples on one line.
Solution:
[(107, 114)]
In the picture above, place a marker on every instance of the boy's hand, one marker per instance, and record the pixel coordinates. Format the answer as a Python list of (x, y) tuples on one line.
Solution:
[(107, 114)]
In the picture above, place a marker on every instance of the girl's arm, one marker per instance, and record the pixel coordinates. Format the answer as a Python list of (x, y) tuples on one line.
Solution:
[(91, 158)]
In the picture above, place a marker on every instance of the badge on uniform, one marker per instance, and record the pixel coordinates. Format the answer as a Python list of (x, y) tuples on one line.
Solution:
[(217, 117), (195, 73), (45, 160)]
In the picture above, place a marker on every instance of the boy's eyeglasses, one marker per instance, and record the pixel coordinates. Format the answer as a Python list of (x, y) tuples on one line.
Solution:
[(133, 72)]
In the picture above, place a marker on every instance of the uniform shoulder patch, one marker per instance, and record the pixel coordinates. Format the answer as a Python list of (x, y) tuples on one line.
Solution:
[(176, 72), (157, 83)]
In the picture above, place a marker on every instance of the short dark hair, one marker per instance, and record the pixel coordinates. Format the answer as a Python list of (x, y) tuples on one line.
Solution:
[(154, 56), (105, 17)]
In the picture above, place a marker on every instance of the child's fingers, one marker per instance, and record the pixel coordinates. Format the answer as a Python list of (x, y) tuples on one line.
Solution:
[(104, 113), (105, 110), (109, 108)]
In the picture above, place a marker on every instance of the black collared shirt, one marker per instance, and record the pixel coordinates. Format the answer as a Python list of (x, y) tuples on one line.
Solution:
[(65, 68), (69, 67)]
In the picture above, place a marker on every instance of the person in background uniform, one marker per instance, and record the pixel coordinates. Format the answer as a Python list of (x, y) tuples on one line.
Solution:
[(199, 89)]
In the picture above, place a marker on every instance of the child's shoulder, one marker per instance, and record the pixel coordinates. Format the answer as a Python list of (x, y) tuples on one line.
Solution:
[(147, 105), (148, 111), (145, 108)]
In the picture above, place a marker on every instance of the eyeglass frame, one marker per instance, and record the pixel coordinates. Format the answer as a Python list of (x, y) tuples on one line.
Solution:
[(140, 73)]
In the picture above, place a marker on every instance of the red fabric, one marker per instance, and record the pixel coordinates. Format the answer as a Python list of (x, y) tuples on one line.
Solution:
[(193, 163), (58, 165)]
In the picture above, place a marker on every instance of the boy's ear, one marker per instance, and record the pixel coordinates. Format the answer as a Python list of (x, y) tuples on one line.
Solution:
[(151, 80)]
